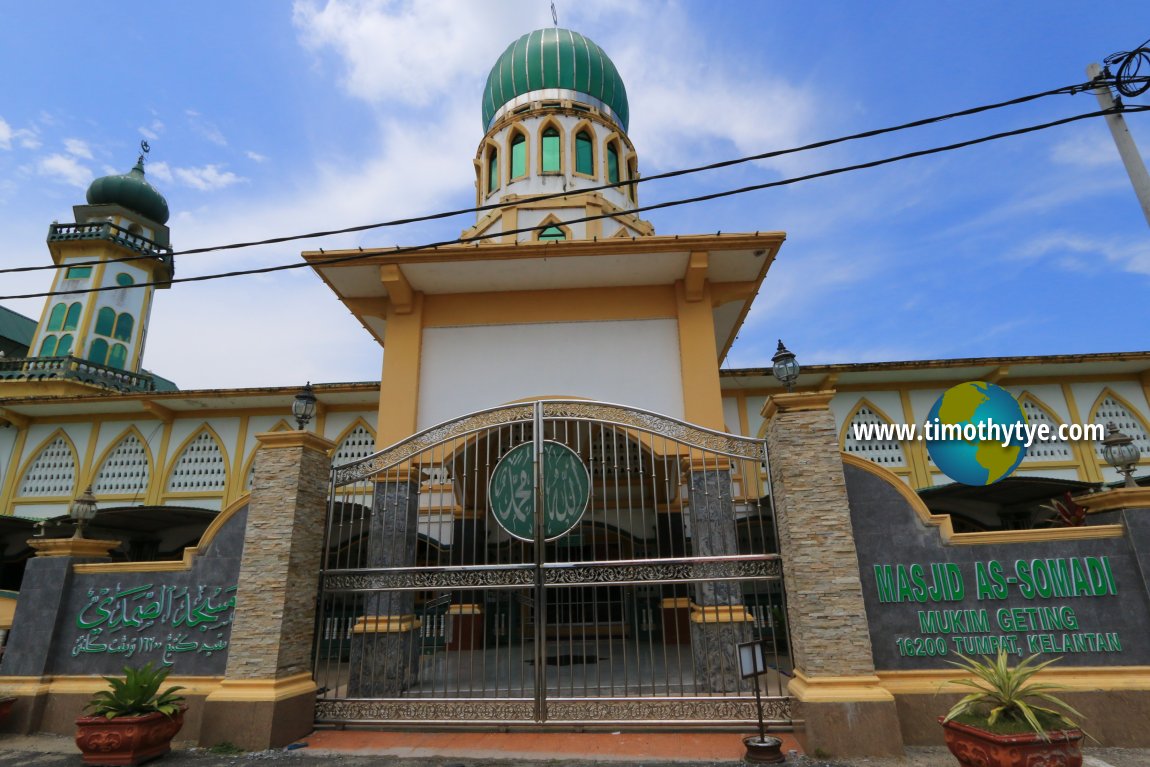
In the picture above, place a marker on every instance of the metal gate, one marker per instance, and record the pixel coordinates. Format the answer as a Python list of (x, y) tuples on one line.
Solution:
[(445, 597)]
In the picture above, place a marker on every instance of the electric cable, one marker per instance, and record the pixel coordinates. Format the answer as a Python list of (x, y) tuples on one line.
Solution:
[(375, 252), (1063, 90)]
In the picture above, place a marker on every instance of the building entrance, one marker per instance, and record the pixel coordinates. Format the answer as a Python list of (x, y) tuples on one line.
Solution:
[(562, 562)]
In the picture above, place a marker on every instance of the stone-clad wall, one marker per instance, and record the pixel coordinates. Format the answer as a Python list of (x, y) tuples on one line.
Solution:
[(824, 595)]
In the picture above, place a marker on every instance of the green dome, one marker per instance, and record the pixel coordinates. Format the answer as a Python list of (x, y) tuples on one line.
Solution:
[(132, 191), (555, 58)]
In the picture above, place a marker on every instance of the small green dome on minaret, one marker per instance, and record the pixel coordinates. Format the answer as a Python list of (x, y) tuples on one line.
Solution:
[(132, 191), (555, 59)]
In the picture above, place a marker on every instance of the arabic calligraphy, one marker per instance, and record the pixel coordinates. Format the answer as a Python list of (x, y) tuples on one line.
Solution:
[(156, 619)]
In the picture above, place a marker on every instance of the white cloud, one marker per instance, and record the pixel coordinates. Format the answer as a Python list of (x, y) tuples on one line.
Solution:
[(206, 178), (160, 170), (152, 131), (255, 156), (5, 134), (204, 128), (1076, 252), (77, 148), (64, 168), (25, 137), (1087, 150)]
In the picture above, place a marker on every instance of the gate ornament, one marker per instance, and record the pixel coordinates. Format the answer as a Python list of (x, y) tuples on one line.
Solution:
[(566, 491)]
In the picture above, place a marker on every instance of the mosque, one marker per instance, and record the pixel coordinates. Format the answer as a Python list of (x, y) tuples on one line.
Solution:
[(559, 299)]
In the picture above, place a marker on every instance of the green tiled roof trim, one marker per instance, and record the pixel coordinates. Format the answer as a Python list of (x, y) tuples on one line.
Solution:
[(554, 58), (16, 327)]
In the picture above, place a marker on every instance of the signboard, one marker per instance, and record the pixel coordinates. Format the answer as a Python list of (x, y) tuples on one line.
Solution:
[(566, 491), (751, 659)]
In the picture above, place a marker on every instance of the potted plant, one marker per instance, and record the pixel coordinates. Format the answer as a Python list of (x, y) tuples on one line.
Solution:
[(1004, 722), (132, 721)]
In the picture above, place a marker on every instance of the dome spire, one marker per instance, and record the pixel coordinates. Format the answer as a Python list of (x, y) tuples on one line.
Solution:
[(131, 190)]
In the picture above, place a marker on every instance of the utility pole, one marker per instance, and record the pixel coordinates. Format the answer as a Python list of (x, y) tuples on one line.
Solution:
[(1135, 167)]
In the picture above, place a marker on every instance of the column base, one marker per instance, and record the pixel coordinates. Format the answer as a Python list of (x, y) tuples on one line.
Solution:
[(846, 716), (259, 714), (384, 658)]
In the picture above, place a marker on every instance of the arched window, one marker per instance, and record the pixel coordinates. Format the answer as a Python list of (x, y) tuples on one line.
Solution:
[(612, 163), (492, 170), (118, 356), (105, 321), (98, 352), (72, 318), (123, 329), (56, 318), (552, 153), (632, 173), (65, 345), (552, 233), (123, 279), (48, 346), (518, 156), (584, 154)]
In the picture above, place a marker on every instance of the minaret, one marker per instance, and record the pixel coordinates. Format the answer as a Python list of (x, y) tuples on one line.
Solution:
[(119, 240), (555, 115)]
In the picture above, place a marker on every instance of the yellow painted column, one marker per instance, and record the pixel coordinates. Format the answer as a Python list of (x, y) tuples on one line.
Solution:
[(1089, 471), (699, 360), (399, 383)]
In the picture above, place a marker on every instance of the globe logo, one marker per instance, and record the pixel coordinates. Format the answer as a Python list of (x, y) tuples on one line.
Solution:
[(966, 429)]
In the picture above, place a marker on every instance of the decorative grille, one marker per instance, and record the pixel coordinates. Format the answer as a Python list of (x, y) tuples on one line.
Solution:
[(1111, 410), (883, 452), (53, 473), (125, 470), (1053, 449), (200, 468)]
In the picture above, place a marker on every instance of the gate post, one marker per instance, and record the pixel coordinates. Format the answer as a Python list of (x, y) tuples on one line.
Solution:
[(847, 711), (385, 642), (267, 698), (719, 619)]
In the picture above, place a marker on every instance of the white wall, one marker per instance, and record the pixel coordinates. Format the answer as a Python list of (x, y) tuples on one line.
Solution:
[(633, 362)]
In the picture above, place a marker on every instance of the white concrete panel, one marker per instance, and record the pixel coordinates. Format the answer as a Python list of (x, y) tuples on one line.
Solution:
[(731, 415), (755, 414), (7, 445), (629, 362), (1049, 395)]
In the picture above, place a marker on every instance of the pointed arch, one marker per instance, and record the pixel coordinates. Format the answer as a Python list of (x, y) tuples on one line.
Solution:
[(355, 442), (891, 454), (249, 470), (51, 472), (551, 140), (633, 174), (1113, 407), (125, 466), (1044, 451), (517, 154), (612, 159), (583, 149), (491, 173), (551, 228), (201, 465)]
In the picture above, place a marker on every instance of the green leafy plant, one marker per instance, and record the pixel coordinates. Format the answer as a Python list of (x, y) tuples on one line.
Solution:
[(1006, 699), (137, 694)]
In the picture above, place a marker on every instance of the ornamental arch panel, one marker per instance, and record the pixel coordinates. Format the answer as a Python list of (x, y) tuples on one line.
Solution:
[(125, 468), (52, 472), (201, 465), (1111, 407), (1049, 450), (889, 453)]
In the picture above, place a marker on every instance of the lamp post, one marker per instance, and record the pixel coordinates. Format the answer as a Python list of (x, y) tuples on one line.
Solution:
[(82, 510), (1120, 452), (303, 406), (786, 369)]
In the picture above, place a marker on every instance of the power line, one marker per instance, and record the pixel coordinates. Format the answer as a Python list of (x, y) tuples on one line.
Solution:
[(1063, 90), (657, 206)]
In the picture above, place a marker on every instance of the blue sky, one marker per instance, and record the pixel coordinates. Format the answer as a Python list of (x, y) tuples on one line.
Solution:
[(267, 117)]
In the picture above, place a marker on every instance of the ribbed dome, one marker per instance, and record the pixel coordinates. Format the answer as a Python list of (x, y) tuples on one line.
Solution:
[(554, 58), (132, 191)]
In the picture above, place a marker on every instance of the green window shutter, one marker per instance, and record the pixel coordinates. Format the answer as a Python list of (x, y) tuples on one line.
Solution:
[(78, 273), (98, 353), (584, 155), (551, 151), (118, 356), (612, 164), (56, 318), (72, 318), (493, 171), (124, 280), (48, 346), (552, 233), (105, 321), (65, 346), (123, 329), (519, 156)]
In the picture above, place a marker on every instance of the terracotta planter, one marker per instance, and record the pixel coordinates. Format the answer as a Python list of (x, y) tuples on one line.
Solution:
[(126, 740), (973, 747)]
